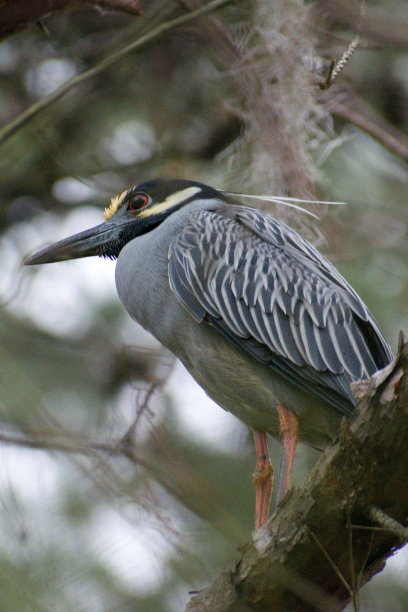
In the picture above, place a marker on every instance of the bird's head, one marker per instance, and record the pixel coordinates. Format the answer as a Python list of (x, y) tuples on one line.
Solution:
[(132, 213)]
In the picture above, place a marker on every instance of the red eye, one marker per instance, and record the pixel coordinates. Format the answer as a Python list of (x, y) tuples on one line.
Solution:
[(138, 201)]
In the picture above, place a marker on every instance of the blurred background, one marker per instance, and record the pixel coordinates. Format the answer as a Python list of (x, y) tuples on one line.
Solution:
[(238, 100)]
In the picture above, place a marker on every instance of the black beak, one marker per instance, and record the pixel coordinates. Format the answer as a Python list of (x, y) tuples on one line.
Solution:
[(104, 240)]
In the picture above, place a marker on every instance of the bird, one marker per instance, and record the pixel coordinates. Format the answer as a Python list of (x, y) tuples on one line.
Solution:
[(266, 325)]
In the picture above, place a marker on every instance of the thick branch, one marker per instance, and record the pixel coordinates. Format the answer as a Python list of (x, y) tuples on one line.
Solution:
[(16, 15), (333, 532), (330, 535), (12, 127)]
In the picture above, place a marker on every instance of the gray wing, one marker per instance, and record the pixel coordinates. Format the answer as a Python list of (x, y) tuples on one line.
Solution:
[(270, 292)]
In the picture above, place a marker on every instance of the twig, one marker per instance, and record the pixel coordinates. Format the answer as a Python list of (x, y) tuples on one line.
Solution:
[(12, 127), (67, 445), (336, 67), (354, 585), (397, 144), (128, 438), (387, 522), (370, 528), (363, 565), (332, 563)]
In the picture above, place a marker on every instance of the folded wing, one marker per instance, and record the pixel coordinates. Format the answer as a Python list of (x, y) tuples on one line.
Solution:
[(271, 293)]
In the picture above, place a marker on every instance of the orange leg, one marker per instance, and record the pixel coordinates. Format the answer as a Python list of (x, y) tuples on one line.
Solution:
[(263, 479), (289, 427)]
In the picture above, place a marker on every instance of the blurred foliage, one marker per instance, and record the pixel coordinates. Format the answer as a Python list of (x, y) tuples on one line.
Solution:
[(83, 526)]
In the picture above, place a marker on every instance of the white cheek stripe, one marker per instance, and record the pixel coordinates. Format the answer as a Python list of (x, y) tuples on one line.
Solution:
[(170, 201)]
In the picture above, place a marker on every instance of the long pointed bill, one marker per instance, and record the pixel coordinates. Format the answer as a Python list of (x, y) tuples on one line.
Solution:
[(104, 240)]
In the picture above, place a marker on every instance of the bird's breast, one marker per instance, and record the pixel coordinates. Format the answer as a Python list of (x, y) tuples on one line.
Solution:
[(143, 287)]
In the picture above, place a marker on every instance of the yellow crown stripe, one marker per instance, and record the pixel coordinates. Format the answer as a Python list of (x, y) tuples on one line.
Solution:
[(115, 204)]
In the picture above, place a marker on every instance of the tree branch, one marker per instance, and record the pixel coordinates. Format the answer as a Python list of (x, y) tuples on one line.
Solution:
[(350, 107), (16, 15), (330, 534), (11, 128), (323, 542)]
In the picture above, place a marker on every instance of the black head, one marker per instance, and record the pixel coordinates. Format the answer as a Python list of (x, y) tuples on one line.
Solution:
[(132, 213)]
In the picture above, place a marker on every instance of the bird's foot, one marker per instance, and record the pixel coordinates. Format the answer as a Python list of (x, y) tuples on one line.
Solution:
[(263, 480)]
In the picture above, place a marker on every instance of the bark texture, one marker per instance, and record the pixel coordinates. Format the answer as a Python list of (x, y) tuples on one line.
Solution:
[(334, 531)]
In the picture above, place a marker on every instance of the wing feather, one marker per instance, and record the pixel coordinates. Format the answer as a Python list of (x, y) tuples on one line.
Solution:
[(270, 292)]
